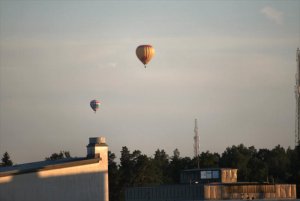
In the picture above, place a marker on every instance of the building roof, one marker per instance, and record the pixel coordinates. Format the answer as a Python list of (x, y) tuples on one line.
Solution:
[(46, 165), (207, 169)]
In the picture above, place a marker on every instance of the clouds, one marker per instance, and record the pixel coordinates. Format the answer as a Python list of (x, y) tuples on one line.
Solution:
[(273, 14)]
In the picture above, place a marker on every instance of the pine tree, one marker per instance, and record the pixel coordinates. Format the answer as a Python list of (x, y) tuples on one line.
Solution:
[(6, 160)]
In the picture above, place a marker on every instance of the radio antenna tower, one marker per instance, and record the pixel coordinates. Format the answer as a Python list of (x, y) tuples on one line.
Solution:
[(196, 142), (297, 94)]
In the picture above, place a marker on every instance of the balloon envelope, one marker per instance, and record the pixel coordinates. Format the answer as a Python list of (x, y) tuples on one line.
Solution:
[(95, 104), (145, 53)]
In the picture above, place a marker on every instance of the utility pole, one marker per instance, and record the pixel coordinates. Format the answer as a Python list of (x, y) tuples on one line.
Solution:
[(297, 95), (196, 143)]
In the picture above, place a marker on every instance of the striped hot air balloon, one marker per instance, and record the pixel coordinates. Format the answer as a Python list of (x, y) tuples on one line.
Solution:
[(145, 53), (95, 104)]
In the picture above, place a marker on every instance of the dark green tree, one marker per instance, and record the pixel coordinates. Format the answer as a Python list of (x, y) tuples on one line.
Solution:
[(238, 157), (176, 154), (127, 170), (6, 160), (294, 158), (178, 164), (278, 164), (257, 170), (146, 172), (126, 167), (58, 156), (209, 160), (161, 162), (113, 172)]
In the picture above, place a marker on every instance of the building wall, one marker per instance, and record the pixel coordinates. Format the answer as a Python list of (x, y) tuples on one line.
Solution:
[(228, 175), (165, 193), (249, 192), (87, 182), (211, 192)]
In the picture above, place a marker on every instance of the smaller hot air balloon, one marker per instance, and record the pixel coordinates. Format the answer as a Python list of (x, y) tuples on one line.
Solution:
[(95, 104), (145, 53)]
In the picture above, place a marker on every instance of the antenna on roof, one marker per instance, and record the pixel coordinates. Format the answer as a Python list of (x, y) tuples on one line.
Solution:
[(196, 142), (297, 94)]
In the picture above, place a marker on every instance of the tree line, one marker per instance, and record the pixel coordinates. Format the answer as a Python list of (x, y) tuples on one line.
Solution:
[(277, 165)]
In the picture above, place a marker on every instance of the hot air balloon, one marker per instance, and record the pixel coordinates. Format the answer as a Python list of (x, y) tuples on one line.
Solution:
[(95, 104), (145, 53)]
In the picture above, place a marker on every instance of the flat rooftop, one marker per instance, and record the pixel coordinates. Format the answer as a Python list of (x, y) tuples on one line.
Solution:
[(46, 165)]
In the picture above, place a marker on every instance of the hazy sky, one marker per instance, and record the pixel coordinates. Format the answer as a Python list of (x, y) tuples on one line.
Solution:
[(231, 64)]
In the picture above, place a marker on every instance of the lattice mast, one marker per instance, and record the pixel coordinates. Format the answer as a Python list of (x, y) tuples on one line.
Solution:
[(196, 140), (297, 94)]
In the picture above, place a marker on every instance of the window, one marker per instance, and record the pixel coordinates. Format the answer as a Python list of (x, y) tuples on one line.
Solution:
[(215, 175)]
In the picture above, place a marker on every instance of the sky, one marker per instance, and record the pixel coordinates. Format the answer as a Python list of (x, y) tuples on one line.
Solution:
[(230, 64)]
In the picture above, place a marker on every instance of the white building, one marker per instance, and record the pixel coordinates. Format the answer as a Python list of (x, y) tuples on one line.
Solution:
[(74, 179)]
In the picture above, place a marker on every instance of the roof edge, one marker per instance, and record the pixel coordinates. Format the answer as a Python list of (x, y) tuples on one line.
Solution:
[(50, 167)]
